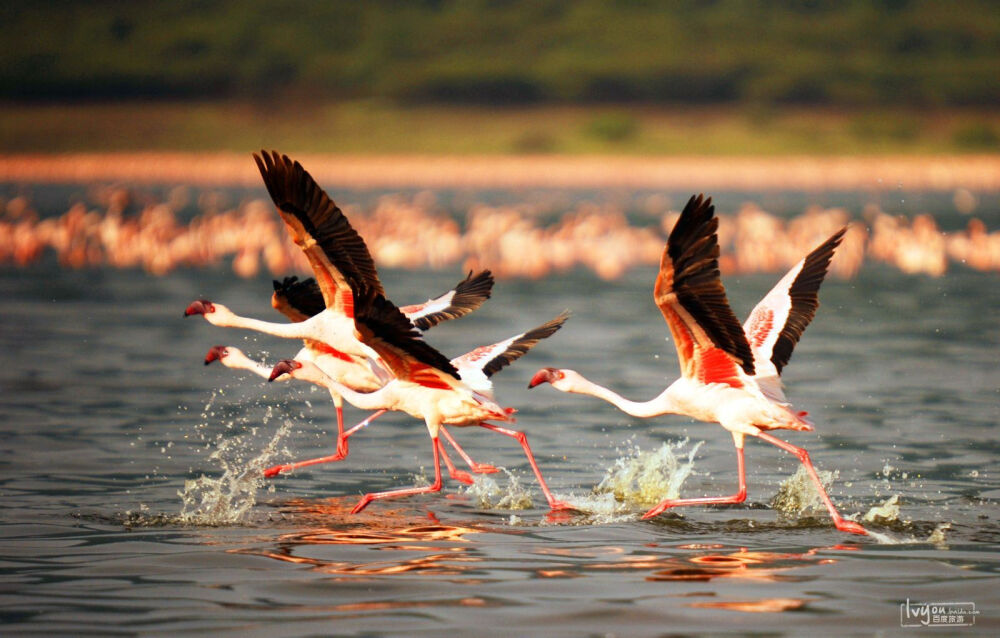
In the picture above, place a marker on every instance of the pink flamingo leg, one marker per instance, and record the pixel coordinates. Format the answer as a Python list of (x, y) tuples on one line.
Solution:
[(803, 456), (456, 474), (407, 491), (478, 468), (342, 448), (523, 440), (738, 497)]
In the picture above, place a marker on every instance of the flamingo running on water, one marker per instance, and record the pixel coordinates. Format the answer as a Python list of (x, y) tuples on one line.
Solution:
[(729, 375), (322, 312), (299, 300), (429, 387), (234, 358)]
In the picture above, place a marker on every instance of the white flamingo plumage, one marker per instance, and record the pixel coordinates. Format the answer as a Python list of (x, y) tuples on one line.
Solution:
[(729, 374), (429, 387)]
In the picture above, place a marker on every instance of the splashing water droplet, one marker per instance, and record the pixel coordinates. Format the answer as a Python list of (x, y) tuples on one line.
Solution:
[(490, 495), (887, 512), (646, 478), (229, 499), (798, 494)]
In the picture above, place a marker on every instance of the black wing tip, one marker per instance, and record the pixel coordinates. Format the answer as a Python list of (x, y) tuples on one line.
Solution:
[(804, 294), (476, 285), (548, 328), (520, 346), (468, 295), (471, 292), (698, 210)]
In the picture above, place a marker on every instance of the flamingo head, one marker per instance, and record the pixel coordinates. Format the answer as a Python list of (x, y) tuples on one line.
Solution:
[(285, 366), (199, 307), (549, 375), (216, 353)]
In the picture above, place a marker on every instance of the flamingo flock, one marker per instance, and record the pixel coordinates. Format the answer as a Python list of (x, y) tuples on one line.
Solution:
[(135, 231), (368, 351)]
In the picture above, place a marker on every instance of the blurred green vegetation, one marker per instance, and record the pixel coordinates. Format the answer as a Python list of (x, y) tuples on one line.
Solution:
[(376, 127), (849, 53)]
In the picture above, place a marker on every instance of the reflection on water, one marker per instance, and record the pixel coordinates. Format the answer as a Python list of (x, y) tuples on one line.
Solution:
[(756, 606), (444, 550), (409, 544)]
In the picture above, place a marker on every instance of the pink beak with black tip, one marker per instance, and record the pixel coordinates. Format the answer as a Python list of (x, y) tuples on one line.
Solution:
[(215, 354), (545, 375), (199, 307), (285, 366)]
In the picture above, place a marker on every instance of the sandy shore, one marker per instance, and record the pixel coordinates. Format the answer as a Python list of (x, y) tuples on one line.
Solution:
[(974, 172)]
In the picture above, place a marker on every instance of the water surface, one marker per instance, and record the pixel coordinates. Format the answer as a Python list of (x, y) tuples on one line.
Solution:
[(108, 414)]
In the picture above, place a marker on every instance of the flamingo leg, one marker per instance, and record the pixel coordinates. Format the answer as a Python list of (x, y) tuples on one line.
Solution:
[(341, 439), (342, 447), (523, 440), (407, 491), (478, 468), (839, 521), (459, 475), (738, 497)]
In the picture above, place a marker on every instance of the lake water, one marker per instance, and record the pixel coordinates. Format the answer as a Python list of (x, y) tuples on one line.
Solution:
[(110, 419)]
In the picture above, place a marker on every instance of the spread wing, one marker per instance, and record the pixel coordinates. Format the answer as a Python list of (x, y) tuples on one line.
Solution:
[(710, 343), (468, 295), (778, 321), (493, 358), (337, 254), (297, 300), (387, 331)]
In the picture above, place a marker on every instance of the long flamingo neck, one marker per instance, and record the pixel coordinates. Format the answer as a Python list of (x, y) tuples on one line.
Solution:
[(362, 400), (662, 404), (232, 320), (244, 362)]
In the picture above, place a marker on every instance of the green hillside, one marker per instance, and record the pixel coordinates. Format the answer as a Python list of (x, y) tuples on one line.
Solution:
[(894, 52)]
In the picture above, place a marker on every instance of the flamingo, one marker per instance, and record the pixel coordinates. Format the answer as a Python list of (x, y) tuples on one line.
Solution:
[(730, 374), (322, 309), (234, 358), (336, 253), (299, 300), (430, 387)]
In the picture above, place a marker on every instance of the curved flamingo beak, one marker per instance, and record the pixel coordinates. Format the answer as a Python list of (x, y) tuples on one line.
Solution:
[(545, 375), (215, 354), (285, 366), (200, 307)]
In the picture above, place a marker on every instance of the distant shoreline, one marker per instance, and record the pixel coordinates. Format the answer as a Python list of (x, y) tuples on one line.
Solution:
[(808, 173)]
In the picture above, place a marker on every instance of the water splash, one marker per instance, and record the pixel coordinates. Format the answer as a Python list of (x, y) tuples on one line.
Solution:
[(798, 494), (646, 478), (887, 512), (229, 499), (490, 495)]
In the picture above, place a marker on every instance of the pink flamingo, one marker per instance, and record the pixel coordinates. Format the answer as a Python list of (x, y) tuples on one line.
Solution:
[(429, 387), (234, 358), (729, 374)]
